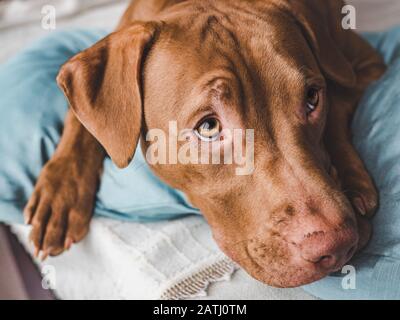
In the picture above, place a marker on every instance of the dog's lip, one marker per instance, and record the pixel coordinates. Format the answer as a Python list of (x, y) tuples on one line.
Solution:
[(290, 281), (313, 273)]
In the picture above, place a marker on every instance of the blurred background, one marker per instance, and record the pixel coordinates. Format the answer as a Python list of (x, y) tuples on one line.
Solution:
[(20, 20)]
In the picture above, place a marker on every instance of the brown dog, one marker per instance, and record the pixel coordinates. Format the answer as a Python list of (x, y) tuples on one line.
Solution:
[(285, 68)]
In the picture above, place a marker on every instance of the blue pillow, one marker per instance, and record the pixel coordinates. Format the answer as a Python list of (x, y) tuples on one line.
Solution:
[(32, 110)]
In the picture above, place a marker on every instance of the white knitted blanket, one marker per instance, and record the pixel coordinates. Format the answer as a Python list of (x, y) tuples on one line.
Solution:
[(119, 260)]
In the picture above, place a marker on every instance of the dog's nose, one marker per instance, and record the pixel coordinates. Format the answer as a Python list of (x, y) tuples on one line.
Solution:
[(329, 249)]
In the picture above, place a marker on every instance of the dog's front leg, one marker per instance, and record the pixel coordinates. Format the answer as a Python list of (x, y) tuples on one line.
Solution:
[(355, 181), (349, 171), (61, 205)]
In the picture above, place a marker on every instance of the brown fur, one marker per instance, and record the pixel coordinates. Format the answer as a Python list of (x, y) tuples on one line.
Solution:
[(251, 61)]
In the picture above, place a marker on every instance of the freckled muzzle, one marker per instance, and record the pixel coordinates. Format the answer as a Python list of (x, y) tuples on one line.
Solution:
[(299, 253)]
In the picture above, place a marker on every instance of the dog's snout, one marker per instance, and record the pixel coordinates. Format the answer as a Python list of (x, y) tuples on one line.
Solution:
[(329, 249)]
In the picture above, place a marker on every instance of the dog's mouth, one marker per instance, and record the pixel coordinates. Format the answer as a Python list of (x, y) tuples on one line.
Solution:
[(289, 276), (292, 272), (283, 263)]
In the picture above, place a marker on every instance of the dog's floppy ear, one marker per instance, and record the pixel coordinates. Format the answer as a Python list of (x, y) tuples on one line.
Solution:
[(321, 24), (103, 87)]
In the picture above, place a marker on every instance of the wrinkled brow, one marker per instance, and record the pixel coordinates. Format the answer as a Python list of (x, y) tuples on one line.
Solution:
[(210, 94)]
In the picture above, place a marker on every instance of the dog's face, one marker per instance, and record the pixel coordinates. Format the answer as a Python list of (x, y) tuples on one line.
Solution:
[(286, 222)]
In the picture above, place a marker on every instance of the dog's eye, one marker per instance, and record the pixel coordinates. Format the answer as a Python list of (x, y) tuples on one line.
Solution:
[(208, 130), (312, 100)]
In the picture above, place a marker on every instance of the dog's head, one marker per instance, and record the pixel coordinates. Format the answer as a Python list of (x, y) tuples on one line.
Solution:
[(231, 65)]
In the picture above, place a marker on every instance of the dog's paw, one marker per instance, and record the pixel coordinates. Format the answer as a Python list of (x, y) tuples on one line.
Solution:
[(352, 177), (60, 207), (361, 192)]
